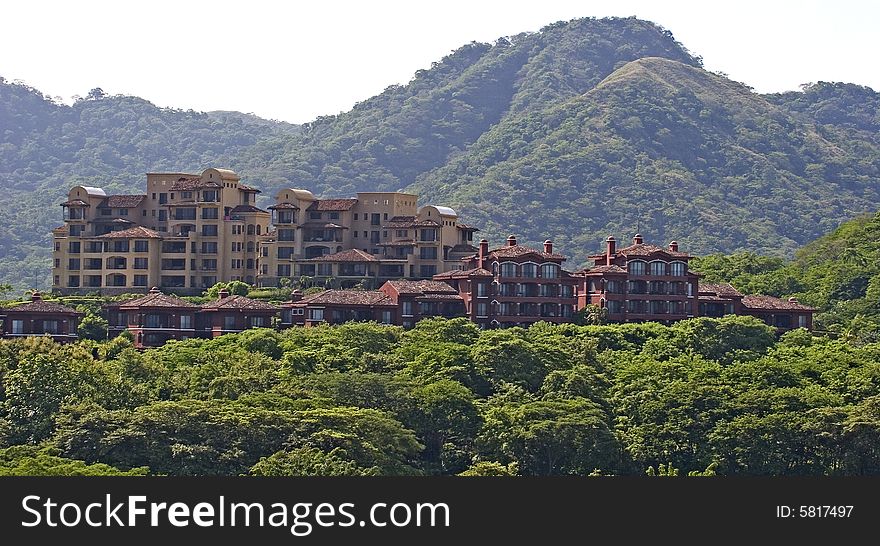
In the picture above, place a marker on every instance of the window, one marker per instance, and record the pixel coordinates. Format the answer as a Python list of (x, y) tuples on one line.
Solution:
[(209, 230), (566, 291), (183, 195), (286, 234), (17, 326), (186, 322), (142, 246), (355, 216), (427, 271), (211, 213), (258, 322), (636, 267), (428, 235), (163, 198), (677, 269), (120, 246), (236, 264), (482, 310), (76, 230), (210, 196), (375, 219), (387, 317), (550, 271), (73, 247), (163, 215), (229, 322), (325, 270), (385, 216), (314, 216), (529, 270), (140, 280), (333, 215), (316, 314), (209, 265), (285, 252), (374, 237), (140, 263), (73, 264), (406, 308), (122, 212), (508, 269), (428, 253), (283, 270), (355, 234), (106, 212), (209, 248), (657, 268), (482, 290), (802, 321), (402, 233)]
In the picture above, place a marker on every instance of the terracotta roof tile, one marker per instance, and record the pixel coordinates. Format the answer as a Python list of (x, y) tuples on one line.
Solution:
[(421, 287), (399, 242), (280, 206), (37, 305), (352, 255), (516, 251), (75, 203), (347, 297), (192, 183), (333, 204), (245, 187), (771, 303), (246, 208), (122, 201), (400, 222), (643, 249), (239, 302), (439, 297), (605, 269), (465, 227), (138, 232), (463, 274), (157, 299), (719, 289)]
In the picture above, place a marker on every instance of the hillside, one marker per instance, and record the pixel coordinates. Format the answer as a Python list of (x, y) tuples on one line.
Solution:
[(587, 127)]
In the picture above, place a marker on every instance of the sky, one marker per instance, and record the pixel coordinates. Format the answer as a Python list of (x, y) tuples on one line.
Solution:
[(294, 61)]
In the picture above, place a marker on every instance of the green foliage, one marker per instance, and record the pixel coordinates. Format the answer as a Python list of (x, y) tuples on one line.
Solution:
[(92, 327), (491, 468), (235, 288), (36, 461), (309, 462)]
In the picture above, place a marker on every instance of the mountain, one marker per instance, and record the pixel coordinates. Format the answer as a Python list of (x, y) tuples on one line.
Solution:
[(585, 128)]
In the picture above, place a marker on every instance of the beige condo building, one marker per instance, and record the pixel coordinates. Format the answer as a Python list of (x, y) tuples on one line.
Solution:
[(186, 233)]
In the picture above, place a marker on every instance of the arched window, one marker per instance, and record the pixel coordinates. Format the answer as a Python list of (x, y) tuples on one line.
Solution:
[(529, 270), (259, 227), (250, 246), (636, 267), (678, 269), (250, 229), (657, 267), (508, 269), (550, 271)]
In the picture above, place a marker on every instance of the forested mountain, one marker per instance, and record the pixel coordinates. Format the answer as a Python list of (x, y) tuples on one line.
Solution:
[(588, 127)]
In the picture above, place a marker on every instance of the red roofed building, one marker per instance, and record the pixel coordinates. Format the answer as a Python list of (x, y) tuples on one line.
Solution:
[(40, 318), (233, 314), (640, 282), (153, 319), (514, 285), (339, 306), (416, 300)]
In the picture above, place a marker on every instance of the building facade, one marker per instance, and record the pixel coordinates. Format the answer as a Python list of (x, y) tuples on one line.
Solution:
[(514, 285), (717, 300), (233, 314), (186, 233), (40, 318), (365, 241), (153, 319), (640, 282)]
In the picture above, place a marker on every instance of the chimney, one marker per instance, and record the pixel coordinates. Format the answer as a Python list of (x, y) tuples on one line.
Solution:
[(511, 241), (36, 296), (637, 240), (548, 247), (155, 290), (610, 249), (793, 300), (673, 246), (484, 251), (296, 295), (223, 293)]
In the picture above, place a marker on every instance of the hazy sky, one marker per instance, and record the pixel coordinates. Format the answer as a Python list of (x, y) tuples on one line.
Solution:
[(294, 61)]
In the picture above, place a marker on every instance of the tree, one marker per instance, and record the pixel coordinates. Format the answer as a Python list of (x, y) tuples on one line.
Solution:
[(92, 327), (309, 462), (235, 288), (44, 461)]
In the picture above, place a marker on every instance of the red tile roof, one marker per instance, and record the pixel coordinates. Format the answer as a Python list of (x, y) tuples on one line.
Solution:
[(244, 187), (465, 227), (459, 274), (75, 203), (516, 251), (280, 206), (122, 201), (38, 306), (399, 242), (773, 304), (605, 269), (246, 208), (192, 183), (421, 287), (333, 204), (400, 222), (138, 232), (439, 297), (323, 225), (352, 255), (347, 297), (239, 302), (719, 289), (157, 299), (643, 249)]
